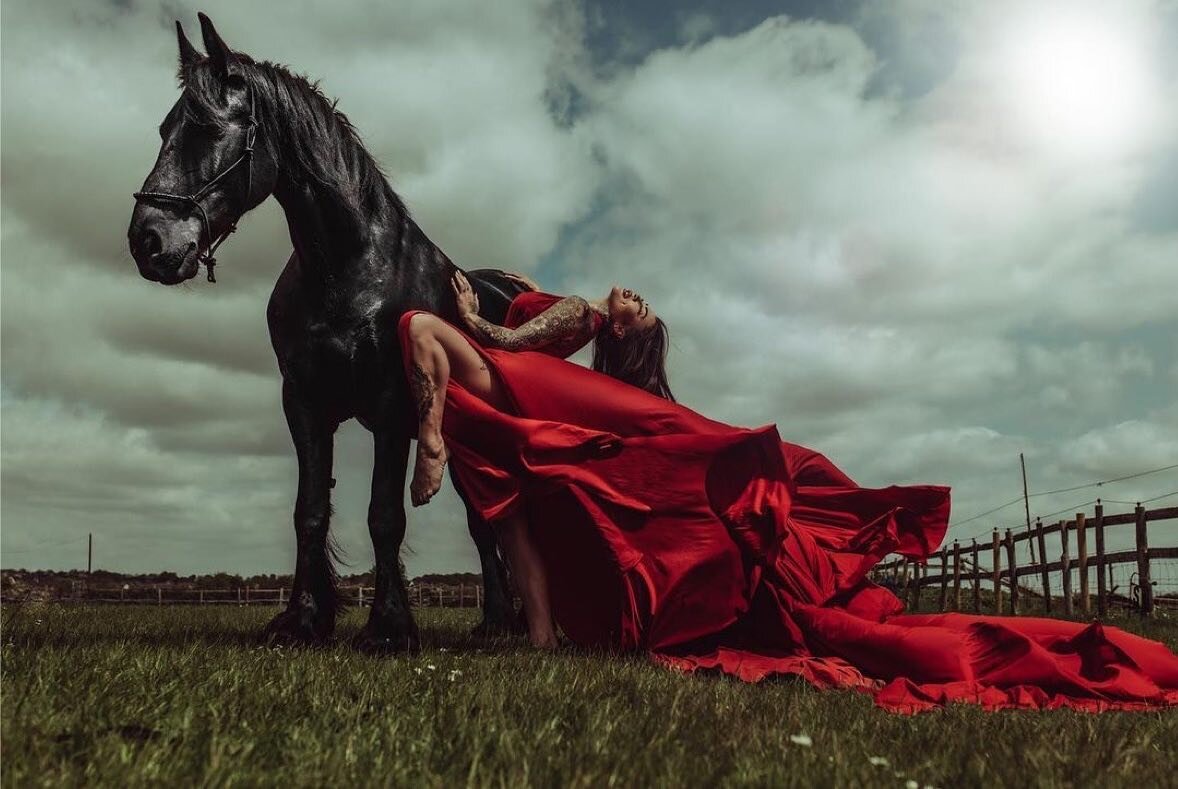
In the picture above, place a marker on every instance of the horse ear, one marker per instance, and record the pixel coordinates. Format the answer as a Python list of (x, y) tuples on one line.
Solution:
[(188, 55), (223, 60)]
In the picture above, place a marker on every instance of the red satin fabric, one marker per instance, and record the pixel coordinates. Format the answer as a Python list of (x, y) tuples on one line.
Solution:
[(722, 548)]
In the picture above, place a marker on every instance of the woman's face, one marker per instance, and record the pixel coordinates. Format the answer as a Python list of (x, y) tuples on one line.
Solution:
[(629, 310)]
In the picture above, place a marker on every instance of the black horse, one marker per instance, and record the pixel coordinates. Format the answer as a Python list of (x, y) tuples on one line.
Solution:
[(241, 131)]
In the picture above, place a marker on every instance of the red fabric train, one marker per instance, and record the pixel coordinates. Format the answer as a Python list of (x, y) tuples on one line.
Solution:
[(724, 548)]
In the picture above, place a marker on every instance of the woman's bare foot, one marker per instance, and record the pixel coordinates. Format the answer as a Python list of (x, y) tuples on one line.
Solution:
[(427, 472), (544, 638)]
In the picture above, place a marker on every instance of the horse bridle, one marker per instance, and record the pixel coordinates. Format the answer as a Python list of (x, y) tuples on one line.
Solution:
[(193, 200)]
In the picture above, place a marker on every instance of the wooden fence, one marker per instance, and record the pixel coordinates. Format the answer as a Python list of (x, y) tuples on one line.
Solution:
[(945, 571), (456, 596)]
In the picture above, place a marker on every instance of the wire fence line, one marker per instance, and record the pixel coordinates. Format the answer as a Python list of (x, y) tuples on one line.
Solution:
[(1094, 484), (440, 595), (1140, 577)]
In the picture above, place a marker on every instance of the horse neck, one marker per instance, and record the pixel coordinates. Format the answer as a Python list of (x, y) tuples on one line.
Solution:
[(337, 226), (332, 229), (352, 242)]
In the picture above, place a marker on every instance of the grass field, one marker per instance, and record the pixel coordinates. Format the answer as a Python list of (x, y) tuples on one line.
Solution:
[(184, 696)]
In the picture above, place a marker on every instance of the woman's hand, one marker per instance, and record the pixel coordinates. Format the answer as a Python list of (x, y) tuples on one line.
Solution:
[(522, 280), (468, 300)]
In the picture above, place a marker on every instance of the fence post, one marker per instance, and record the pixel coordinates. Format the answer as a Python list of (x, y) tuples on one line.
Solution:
[(201, 597), (478, 595), (977, 580), (914, 588), (1065, 567), (1044, 571), (159, 596), (944, 576), (956, 575), (462, 595), (281, 595), (1082, 561), (1143, 564), (1101, 590), (1010, 557), (997, 573), (360, 595)]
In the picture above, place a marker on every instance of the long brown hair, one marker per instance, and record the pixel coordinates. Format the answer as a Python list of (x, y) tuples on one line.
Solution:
[(639, 358)]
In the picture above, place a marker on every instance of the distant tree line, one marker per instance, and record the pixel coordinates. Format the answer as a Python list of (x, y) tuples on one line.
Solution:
[(67, 580)]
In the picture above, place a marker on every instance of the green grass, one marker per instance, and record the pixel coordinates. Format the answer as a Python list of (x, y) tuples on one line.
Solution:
[(183, 696)]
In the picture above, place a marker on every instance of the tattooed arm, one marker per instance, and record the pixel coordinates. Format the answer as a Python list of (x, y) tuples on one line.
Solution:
[(568, 318)]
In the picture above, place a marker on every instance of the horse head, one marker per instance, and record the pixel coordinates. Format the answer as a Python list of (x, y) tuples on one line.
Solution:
[(213, 165)]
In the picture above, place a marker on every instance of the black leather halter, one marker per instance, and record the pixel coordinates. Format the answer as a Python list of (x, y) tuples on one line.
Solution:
[(193, 200)]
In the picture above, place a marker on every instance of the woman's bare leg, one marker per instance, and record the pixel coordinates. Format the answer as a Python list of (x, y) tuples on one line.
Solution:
[(531, 580), (439, 351), (429, 374)]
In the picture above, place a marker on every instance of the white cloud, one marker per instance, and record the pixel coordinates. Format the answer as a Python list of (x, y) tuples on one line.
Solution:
[(1126, 447)]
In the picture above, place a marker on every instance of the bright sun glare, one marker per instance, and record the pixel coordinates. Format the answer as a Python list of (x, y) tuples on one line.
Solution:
[(1079, 82)]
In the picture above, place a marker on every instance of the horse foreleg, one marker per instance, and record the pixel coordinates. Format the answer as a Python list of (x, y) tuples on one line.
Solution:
[(390, 626), (310, 616)]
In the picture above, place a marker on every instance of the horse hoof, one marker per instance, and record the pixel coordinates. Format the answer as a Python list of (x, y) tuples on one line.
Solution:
[(371, 642), (294, 629)]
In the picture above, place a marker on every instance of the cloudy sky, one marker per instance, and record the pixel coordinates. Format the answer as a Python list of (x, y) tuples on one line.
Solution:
[(921, 236)]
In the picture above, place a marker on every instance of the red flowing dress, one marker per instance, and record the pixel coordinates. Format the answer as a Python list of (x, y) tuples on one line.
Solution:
[(724, 548)]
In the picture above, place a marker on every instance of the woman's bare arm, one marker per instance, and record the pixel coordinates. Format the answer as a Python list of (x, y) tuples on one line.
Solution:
[(568, 317)]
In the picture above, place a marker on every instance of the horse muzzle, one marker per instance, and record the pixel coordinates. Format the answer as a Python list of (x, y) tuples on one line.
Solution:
[(166, 250)]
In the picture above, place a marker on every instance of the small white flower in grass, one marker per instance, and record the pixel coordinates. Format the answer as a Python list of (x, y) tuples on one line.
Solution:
[(801, 739), (417, 670), (877, 761), (431, 666), (910, 784), (454, 674)]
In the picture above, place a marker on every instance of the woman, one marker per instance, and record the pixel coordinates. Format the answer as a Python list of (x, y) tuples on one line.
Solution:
[(630, 344), (641, 524)]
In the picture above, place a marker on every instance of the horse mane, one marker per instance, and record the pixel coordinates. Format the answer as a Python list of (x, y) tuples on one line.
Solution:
[(315, 140)]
